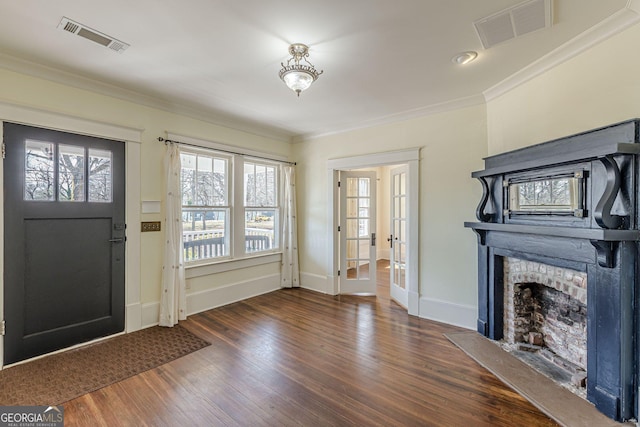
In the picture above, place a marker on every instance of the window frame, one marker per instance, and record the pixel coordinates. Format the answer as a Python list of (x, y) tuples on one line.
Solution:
[(236, 207)]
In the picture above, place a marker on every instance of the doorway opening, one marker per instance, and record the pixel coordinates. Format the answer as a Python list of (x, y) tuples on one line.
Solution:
[(382, 234)]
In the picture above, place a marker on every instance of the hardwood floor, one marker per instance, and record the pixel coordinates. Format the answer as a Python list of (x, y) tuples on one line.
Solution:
[(297, 357)]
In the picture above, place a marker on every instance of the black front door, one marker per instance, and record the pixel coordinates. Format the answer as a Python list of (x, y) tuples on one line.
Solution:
[(64, 240)]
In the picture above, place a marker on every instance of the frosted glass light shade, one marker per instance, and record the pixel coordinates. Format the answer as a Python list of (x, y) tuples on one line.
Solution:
[(298, 81)]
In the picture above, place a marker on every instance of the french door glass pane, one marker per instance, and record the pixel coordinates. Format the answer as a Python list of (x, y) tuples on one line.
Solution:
[(100, 176), (39, 171), (71, 179)]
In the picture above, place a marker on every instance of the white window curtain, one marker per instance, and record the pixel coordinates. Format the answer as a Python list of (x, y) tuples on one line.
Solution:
[(173, 304), (290, 274)]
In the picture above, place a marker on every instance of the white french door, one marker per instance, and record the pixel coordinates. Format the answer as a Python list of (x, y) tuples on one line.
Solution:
[(358, 233), (398, 238)]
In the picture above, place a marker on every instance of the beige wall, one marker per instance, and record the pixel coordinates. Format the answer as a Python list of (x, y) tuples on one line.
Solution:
[(599, 87), (453, 145), (41, 94)]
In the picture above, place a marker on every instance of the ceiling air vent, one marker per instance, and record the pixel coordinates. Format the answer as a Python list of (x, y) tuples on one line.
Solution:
[(515, 21), (81, 30)]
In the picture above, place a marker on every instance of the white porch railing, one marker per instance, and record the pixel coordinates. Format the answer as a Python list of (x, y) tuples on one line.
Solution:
[(211, 243)]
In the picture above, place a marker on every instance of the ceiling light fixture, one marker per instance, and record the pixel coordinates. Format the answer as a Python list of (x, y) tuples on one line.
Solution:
[(296, 75), (464, 57)]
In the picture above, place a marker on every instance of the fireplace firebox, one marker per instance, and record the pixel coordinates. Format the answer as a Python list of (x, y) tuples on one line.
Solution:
[(571, 203)]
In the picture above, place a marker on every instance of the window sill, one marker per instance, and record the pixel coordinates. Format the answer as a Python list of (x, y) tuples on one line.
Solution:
[(230, 265)]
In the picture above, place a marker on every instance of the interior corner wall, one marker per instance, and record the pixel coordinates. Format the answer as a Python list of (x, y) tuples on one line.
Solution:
[(452, 146), (598, 87), (205, 291)]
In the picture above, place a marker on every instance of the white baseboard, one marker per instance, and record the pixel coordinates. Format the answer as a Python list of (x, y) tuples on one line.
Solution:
[(383, 253), (206, 300), (461, 315), (150, 314), (316, 282), (133, 317)]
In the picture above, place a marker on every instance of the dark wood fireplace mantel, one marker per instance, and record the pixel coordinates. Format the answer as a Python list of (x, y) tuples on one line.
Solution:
[(600, 237)]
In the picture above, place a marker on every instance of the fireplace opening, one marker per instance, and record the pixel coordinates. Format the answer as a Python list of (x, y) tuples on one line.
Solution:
[(545, 320)]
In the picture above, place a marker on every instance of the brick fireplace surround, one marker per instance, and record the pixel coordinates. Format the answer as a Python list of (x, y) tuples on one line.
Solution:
[(598, 240), (546, 307)]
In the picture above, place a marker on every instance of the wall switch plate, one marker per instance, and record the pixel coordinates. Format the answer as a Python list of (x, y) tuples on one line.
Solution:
[(150, 226)]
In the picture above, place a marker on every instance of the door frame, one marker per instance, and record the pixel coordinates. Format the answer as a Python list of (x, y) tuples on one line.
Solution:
[(132, 138), (410, 157)]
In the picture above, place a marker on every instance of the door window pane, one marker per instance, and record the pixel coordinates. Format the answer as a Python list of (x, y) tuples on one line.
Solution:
[(70, 173), (39, 179), (100, 176)]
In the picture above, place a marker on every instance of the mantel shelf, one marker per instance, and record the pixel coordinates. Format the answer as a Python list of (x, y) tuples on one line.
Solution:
[(559, 157), (576, 233)]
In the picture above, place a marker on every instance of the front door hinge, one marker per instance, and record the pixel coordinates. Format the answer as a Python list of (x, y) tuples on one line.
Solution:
[(338, 275), (338, 228), (4, 150), (2, 328), (338, 184)]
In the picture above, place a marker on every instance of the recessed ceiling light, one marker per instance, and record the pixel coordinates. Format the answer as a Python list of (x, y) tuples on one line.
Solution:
[(464, 57)]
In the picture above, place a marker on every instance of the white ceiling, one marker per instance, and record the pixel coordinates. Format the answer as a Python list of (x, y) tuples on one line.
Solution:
[(383, 60)]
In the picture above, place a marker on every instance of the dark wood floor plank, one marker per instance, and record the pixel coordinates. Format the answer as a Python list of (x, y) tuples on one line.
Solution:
[(299, 358)]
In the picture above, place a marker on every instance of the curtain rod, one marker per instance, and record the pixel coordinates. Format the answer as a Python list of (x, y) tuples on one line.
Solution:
[(167, 141)]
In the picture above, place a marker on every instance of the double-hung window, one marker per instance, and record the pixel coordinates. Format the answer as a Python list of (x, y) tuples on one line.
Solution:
[(230, 206), (206, 206), (260, 207)]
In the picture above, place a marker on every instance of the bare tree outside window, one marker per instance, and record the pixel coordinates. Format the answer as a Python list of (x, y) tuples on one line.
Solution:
[(41, 179), (39, 171), (100, 176), (70, 173), (557, 194)]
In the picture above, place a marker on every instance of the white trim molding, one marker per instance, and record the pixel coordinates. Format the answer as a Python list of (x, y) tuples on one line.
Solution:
[(23, 114), (411, 157), (375, 159), (443, 107), (317, 283), (606, 29), (212, 298), (198, 302), (205, 143), (461, 315)]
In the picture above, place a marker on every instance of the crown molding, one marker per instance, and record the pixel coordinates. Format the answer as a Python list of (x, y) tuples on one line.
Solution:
[(33, 116), (78, 81), (428, 110), (604, 30)]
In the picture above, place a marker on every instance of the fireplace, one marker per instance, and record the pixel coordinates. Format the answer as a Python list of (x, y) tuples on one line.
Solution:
[(568, 207), (545, 314)]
